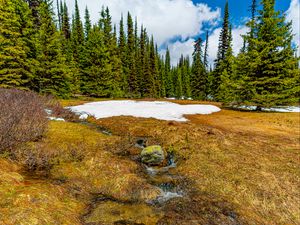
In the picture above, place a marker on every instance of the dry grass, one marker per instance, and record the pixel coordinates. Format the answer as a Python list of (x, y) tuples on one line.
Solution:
[(246, 162), (250, 160)]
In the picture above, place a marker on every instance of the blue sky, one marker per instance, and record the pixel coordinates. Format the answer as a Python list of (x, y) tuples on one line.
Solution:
[(176, 23), (239, 8)]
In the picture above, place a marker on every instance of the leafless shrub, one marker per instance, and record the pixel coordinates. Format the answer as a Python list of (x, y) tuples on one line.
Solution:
[(58, 111), (22, 118)]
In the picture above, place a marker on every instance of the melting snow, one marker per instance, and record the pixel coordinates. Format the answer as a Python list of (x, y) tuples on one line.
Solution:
[(56, 119), (156, 109), (284, 109)]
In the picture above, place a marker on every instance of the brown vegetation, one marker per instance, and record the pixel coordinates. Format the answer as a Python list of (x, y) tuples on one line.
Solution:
[(22, 118), (235, 168)]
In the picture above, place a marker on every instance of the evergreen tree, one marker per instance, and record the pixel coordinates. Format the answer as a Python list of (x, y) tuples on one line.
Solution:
[(130, 61), (16, 56), (122, 48), (77, 35), (154, 73), (179, 91), (198, 76), (187, 77), (34, 5), (97, 75), (168, 74), (53, 75), (227, 91), (273, 77), (224, 43), (87, 24), (59, 15), (205, 59), (66, 30), (224, 35)]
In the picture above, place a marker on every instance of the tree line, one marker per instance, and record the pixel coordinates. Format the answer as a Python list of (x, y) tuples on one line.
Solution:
[(52, 53)]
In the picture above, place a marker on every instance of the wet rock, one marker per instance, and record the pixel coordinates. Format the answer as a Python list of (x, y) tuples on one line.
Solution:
[(141, 143), (153, 155)]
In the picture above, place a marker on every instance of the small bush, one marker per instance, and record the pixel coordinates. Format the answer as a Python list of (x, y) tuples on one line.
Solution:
[(58, 111), (22, 118)]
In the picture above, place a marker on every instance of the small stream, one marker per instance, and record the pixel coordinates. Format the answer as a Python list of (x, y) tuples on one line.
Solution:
[(111, 211)]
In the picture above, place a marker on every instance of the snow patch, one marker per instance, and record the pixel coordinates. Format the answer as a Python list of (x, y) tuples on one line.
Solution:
[(146, 109), (56, 119), (284, 109)]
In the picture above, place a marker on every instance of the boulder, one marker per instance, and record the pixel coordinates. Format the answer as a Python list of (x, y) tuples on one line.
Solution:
[(153, 155)]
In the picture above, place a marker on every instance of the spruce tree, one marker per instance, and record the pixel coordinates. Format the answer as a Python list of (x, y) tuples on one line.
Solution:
[(97, 73), (229, 83), (198, 76), (77, 35), (168, 74), (34, 5), (205, 59), (130, 61), (122, 48), (178, 89), (154, 73), (66, 30), (17, 51), (222, 50), (53, 75), (87, 23), (274, 77)]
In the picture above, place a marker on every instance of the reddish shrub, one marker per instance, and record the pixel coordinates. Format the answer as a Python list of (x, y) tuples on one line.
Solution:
[(58, 111), (22, 118)]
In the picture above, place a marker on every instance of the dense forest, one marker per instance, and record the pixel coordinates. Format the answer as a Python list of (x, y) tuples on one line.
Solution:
[(54, 53)]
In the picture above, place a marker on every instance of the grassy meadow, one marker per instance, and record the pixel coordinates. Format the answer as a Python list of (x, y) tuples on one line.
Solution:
[(235, 168)]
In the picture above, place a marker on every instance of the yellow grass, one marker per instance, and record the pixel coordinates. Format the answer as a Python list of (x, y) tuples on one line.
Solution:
[(248, 161)]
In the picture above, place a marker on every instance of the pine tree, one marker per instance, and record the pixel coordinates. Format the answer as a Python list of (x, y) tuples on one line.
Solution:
[(66, 30), (168, 74), (97, 75), (77, 35), (229, 83), (274, 77), (205, 59), (34, 5), (198, 76), (224, 35), (154, 73), (59, 14), (17, 50), (187, 77), (222, 50), (122, 48), (53, 75), (179, 90), (130, 61), (87, 24)]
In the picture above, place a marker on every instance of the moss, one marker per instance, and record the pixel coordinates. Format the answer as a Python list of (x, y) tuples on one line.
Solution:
[(111, 212)]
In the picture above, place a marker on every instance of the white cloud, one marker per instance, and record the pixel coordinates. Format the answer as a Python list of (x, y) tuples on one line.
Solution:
[(293, 14), (165, 19), (237, 41), (179, 48), (186, 48)]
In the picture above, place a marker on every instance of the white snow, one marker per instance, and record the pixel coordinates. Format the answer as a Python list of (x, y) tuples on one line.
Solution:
[(56, 119), (284, 109), (146, 109)]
